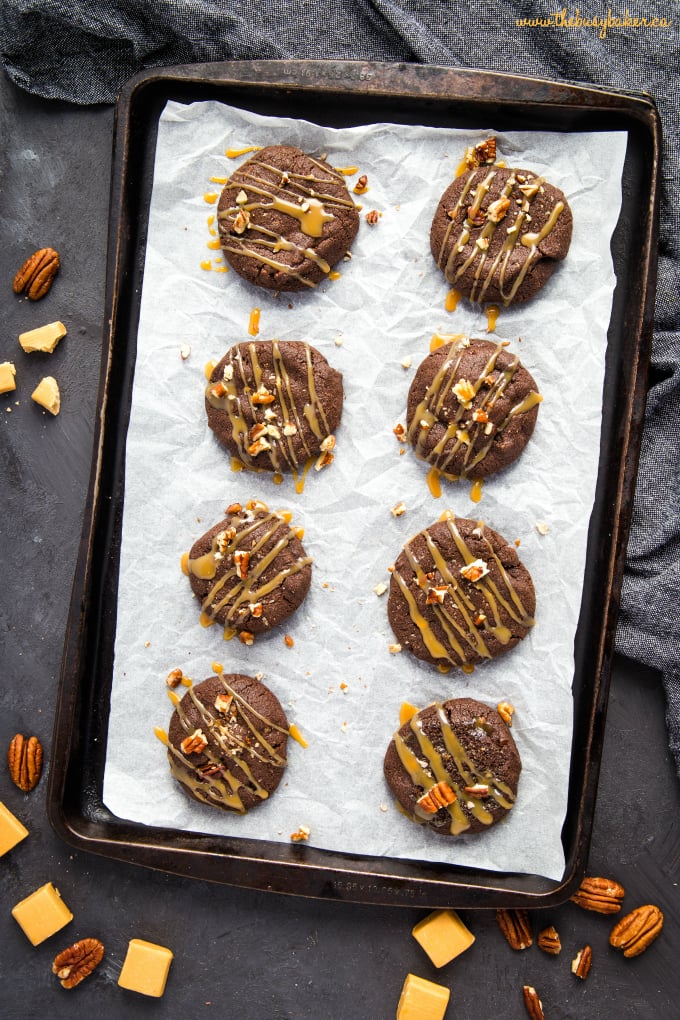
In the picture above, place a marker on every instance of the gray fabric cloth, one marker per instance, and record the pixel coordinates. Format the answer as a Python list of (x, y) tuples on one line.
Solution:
[(84, 50)]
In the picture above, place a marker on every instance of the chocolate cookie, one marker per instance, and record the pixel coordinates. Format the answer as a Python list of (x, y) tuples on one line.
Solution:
[(471, 409), (498, 234), (250, 572), (454, 767), (227, 742), (285, 219), (459, 594), (274, 404)]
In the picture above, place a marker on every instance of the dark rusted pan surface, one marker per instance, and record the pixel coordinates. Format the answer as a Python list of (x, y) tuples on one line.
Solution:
[(342, 94)]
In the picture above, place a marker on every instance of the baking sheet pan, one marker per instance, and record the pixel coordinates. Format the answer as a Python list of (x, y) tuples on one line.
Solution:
[(346, 94)]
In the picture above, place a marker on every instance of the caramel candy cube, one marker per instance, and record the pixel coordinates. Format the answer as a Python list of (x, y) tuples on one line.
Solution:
[(42, 914), (443, 936), (145, 969), (7, 373), (44, 338), (11, 830), (422, 1000), (46, 394)]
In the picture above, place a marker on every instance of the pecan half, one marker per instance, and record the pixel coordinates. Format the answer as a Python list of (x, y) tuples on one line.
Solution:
[(438, 796), (602, 895), (77, 962), (37, 273), (549, 941), (582, 962), (24, 758), (516, 927), (637, 930), (533, 1003)]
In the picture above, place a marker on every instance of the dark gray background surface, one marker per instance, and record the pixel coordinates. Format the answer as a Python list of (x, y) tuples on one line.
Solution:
[(240, 953)]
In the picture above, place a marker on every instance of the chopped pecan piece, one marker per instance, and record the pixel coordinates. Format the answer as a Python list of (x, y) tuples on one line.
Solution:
[(246, 637), (549, 941), (174, 677), (24, 758), (478, 790), (263, 396), (223, 703), (194, 743), (602, 895), (515, 925), (464, 391), (372, 217), (498, 209), (241, 561), (637, 930), (475, 217), (532, 1002), (241, 221), (77, 962), (436, 797), (474, 571), (582, 962), (436, 594)]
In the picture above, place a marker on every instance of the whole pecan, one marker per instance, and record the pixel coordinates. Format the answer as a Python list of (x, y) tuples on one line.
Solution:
[(533, 1003), (24, 758), (516, 927), (549, 941), (582, 962), (77, 962), (602, 895), (637, 930), (37, 274)]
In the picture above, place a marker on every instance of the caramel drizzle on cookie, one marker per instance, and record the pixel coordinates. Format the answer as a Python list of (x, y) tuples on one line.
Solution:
[(287, 416), (464, 624), (214, 780), (476, 437), (427, 767), (312, 212), (238, 584), (486, 267)]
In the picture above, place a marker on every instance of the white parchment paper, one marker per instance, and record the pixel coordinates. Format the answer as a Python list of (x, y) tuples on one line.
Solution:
[(339, 683)]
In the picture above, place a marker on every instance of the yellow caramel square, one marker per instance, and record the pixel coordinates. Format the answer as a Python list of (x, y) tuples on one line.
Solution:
[(44, 338), (11, 830), (7, 373), (422, 1000), (443, 936), (42, 914), (146, 967), (47, 394)]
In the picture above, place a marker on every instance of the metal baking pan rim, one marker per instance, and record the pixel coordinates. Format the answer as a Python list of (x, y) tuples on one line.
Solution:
[(316, 872)]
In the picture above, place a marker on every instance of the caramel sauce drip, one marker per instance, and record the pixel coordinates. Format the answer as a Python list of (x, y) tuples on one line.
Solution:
[(464, 628), (222, 785), (283, 453), (486, 267), (235, 153), (313, 212), (462, 431), (492, 312), (254, 322), (231, 591), (426, 768), (452, 299)]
